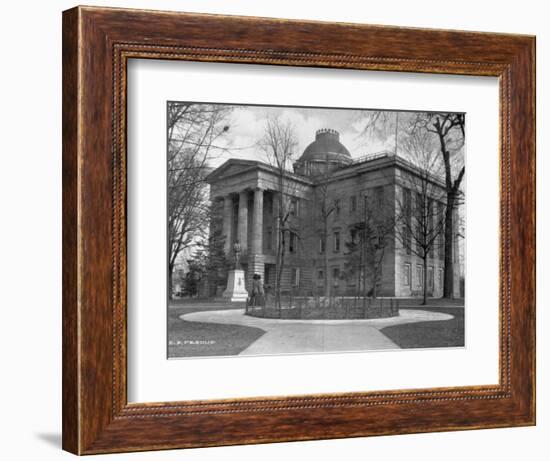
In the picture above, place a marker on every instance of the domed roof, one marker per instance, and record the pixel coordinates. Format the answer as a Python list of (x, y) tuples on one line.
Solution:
[(327, 146)]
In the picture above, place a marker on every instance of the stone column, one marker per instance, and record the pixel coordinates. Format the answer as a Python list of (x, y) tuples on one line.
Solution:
[(257, 222), (228, 224), (255, 255), (242, 232)]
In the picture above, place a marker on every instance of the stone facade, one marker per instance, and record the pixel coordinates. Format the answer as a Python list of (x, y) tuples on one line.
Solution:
[(252, 200)]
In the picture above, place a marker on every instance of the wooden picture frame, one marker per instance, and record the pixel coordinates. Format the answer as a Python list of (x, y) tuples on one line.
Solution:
[(97, 43)]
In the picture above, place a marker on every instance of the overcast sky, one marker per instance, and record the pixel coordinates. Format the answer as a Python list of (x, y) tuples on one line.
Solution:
[(247, 125)]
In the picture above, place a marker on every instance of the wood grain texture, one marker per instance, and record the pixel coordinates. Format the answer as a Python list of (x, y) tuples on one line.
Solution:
[(70, 384), (97, 43)]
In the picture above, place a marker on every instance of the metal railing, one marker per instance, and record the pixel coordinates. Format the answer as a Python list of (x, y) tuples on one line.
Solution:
[(294, 305), (374, 156)]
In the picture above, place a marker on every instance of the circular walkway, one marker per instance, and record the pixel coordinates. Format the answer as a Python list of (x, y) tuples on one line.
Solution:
[(306, 336)]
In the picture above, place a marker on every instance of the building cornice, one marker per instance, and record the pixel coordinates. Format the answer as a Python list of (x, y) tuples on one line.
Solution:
[(370, 163), (249, 165)]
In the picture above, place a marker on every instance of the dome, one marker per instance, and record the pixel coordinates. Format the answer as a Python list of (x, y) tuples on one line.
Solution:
[(324, 154)]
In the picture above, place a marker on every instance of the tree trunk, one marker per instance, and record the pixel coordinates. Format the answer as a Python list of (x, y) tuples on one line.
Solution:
[(280, 241), (170, 272), (364, 252), (425, 277), (325, 263), (364, 269), (377, 269), (374, 280), (448, 263), (280, 268), (362, 272), (277, 272)]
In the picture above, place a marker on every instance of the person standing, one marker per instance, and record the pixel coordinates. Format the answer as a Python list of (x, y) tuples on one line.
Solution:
[(258, 293)]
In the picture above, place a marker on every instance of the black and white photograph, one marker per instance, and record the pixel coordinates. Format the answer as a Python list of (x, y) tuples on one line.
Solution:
[(296, 230), (275, 230)]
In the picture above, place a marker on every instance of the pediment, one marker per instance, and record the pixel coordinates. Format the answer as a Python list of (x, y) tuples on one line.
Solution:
[(231, 168)]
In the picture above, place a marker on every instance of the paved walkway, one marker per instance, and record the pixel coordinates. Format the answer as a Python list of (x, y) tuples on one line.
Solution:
[(302, 336)]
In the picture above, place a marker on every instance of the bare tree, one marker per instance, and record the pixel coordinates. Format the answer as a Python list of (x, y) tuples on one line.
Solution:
[(449, 131), (420, 210), (278, 143), (324, 204), (383, 125), (368, 241), (193, 133)]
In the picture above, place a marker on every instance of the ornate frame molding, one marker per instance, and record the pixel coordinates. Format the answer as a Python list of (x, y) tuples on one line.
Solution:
[(97, 44)]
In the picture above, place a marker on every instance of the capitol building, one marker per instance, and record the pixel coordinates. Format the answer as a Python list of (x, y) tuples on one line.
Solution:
[(327, 196)]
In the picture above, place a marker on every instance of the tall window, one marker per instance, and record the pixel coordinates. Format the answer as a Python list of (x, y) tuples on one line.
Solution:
[(353, 204), (379, 196), (431, 224), (292, 243), (419, 199), (407, 202), (430, 278), (294, 207), (407, 206), (320, 278), (335, 275), (351, 279), (381, 240), (295, 276), (407, 275), (337, 241), (354, 236), (441, 237), (269, 242), (419, 276), (420, 223), (407, 238), (337, 207), (419, 237), (322, 244)]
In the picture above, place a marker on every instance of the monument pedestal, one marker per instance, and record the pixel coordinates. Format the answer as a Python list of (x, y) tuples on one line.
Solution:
[(235, 291)]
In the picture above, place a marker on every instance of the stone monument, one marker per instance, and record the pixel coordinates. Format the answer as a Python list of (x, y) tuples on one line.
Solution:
[(236, 291)]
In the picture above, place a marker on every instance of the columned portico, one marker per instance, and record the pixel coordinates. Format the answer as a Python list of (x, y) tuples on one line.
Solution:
[(248, 231)]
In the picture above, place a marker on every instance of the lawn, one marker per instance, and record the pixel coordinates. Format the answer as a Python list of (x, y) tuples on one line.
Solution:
[(196, 339), (442, 333), (199, 339)]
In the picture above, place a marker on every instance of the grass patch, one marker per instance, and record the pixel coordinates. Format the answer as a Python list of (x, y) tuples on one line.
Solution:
[(198, 339), (441, 333)]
